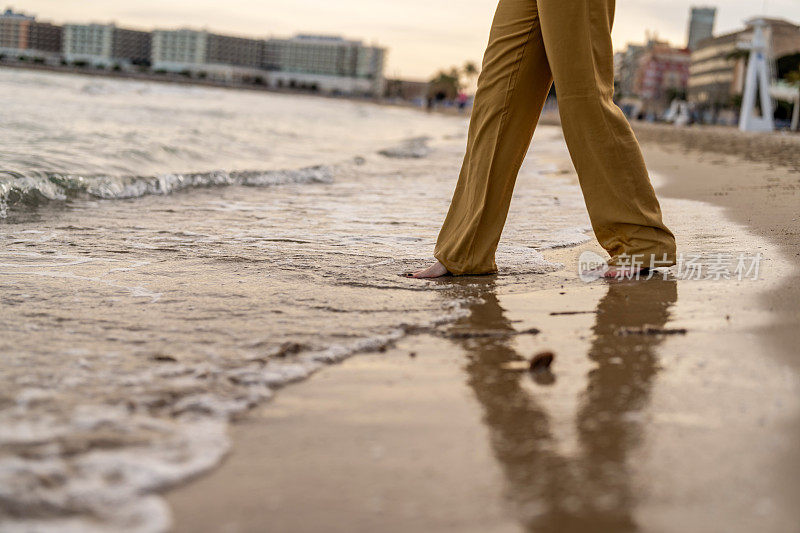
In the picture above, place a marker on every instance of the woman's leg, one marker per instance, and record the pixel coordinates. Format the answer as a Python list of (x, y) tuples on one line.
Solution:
[(622, 205), (512, 89)]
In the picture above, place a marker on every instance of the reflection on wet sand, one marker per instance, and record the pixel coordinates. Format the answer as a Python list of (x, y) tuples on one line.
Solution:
[(590, 490)]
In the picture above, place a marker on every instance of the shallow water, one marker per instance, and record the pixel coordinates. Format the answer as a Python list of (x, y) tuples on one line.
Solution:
[(172, 255)]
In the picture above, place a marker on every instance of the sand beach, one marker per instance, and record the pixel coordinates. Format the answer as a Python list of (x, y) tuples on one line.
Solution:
[(204, 326), (691, 431)]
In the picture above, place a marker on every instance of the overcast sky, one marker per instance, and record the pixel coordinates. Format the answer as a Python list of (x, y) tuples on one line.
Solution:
[(421, 35)]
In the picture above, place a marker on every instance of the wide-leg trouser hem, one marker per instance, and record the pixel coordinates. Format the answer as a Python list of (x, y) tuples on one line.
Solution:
[(460, 269), (656, 257)]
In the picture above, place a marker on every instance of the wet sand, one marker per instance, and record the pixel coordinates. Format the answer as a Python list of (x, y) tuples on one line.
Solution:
[(640, 432)]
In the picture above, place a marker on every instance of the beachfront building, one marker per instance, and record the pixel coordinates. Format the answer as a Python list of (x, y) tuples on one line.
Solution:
[(626, 65), (661, 77), (105, 45), (649, 77), (325, 64), (22, 36), (407, 90), (701, 25), (207, 55), (718, 65)]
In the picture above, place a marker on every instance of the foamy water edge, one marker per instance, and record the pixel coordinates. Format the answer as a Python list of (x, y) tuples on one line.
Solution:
[(113, 490), (35, 188)]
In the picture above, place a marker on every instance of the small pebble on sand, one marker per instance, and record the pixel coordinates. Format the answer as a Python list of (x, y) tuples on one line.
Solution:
[(542, 361)]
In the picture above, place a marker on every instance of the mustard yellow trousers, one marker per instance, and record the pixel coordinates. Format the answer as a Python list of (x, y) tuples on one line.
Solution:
[(532, 44)]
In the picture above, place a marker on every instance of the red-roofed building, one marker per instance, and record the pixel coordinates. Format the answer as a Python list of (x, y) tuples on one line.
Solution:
[(662, 76)]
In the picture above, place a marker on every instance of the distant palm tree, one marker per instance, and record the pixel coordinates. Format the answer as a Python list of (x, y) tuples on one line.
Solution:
[(470, 70), (445, 85), (453, 81), (455, 73)]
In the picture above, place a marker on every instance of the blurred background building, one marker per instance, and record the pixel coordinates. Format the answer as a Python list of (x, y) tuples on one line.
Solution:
[(707, 75), (207, 55), (626, 63), (719, 64), (407, 90), (701, 25), (328, 64), (662, 76), (324, 64), (105, 45), (316, 63), (650, 76), (23, 36)]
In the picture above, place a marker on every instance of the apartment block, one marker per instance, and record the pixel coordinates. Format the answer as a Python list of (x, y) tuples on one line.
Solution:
[(238, 51), (718, 64), (132, 46), (207, 54), (626, 66), (326, 64), (319, 63), (23, 36), (105, 45), (701, 25), (662, 75)]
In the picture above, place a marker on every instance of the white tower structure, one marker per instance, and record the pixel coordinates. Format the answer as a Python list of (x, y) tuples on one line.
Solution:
[(757, 82)]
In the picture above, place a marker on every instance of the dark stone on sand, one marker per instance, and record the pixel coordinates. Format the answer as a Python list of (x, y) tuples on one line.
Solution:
[(541, 362), (491, 333), (164, 358), (540, 368), (651, 330)]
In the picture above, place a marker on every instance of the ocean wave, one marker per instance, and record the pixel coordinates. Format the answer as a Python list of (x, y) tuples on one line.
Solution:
[(98, 467), (30, 189)]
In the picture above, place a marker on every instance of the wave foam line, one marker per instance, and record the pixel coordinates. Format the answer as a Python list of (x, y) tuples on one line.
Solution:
[(34, 188), (63, 483)]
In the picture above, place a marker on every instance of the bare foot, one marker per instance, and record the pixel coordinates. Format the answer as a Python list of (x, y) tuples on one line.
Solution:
[(625, 272), (436, 270)]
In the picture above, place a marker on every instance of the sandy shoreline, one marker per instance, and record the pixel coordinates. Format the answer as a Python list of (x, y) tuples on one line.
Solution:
[(692, 432), (143, 312)]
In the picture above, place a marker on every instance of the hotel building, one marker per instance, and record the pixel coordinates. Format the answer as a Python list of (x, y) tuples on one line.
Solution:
[(208, 55), (317, 63), (662, 75), (701, 25), (23, 36), (717, 71), (325, 64), (105, 45)]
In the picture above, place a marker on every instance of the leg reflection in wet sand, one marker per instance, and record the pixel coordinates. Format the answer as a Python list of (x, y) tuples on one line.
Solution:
[(589, 490)]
